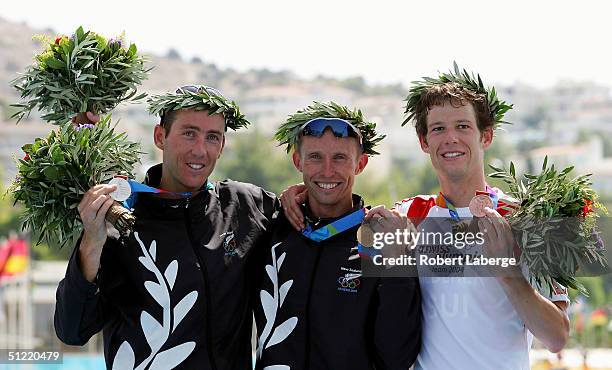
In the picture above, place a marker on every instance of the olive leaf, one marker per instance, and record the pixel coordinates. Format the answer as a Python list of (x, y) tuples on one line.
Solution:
[(288, 132), (203, 98), (465, 79)]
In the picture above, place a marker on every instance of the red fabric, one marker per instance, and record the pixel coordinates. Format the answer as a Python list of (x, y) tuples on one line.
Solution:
[(5, 251), (13, 257), (419, 208), (501, 205)]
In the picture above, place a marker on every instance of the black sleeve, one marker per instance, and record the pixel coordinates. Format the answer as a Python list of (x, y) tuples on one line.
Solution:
[(250, 196), (397, 327), (79, 308), (268, 204)]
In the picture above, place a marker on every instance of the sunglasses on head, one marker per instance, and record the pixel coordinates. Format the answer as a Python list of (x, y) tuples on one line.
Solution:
[(340, 128), (196, 89)]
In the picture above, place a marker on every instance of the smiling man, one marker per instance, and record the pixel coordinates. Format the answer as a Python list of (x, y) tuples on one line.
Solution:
[(317, 311), (175, 293), (187, 161), (477, 322)]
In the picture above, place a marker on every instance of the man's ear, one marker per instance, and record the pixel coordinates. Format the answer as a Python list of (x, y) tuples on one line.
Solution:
[(297, 162), (486, 137), (363, 161), (423, 142), (159, 136)]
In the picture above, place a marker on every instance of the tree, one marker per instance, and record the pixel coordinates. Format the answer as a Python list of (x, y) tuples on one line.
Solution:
[(250, 157), (536, 117), (356, 84), (173, 54)]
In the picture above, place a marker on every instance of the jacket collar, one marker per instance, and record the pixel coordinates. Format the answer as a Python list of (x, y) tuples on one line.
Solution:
[(154, 201), (319, 222)]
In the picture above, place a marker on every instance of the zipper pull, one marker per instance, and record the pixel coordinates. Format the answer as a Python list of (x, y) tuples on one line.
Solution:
[(186, 203)]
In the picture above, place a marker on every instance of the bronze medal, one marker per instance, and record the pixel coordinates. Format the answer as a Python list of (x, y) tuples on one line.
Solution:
[(478, 204)]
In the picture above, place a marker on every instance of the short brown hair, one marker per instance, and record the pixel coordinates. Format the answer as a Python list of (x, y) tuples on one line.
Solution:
[(167, 119), (457, 96)]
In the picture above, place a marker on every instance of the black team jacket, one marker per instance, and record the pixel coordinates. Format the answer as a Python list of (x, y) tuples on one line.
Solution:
[(316, 312), (175, 294)]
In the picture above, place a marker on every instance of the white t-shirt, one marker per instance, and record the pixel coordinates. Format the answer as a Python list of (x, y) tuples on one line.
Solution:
[(469, 322)]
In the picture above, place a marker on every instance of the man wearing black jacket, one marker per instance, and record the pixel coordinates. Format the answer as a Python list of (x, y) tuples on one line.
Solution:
[(317, 311), (174, 294)]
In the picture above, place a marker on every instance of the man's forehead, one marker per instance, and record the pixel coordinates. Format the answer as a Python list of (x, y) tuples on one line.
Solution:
[(448, 112), (200, 128), (328, 142), (199, 118), (198, 113)]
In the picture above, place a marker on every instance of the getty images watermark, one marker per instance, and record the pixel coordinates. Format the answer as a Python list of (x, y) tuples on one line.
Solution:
[(444, 247), (434, 249)]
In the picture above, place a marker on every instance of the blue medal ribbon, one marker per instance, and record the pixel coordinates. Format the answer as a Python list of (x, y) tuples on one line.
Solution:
[(338, 226), (138, 187), (351, 220)]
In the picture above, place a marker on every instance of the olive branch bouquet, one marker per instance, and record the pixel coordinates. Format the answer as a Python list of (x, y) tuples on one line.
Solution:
[(58, 170), (85, 72), (554, 223)]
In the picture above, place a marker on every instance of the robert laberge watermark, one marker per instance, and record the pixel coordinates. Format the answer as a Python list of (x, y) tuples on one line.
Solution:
[(425, 260), (439, 247), (443, 247), (434, 249)]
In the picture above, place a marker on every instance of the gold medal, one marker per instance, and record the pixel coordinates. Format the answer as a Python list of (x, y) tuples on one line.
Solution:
[(365, 235)]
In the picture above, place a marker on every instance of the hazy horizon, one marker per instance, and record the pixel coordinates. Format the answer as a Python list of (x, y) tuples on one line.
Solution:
[(535, 43)]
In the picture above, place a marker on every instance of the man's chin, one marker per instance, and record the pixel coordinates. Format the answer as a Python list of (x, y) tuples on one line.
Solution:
[(194, 185), (454, 172), (325, 199)]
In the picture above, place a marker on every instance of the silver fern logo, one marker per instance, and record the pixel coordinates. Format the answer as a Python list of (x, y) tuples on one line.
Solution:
[(157, 333), (229, 244), (271, 303)]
